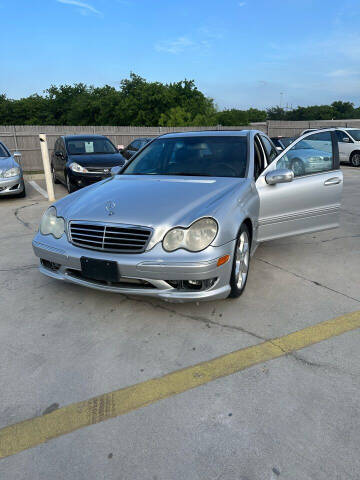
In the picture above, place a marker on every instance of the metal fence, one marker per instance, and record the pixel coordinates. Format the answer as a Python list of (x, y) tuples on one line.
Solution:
[(25, 138)]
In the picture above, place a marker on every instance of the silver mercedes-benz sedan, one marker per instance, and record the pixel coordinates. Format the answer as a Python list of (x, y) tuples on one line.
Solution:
[(181, 220), (11, 175)]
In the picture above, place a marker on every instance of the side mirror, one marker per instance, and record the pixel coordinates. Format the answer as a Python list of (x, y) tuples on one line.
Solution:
[(58, 154), (17, 155), (279, 149), (115, 170), (346, 140), (282, 175)]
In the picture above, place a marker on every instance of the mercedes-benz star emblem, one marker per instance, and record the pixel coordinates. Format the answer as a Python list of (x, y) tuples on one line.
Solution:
[(110, 207)]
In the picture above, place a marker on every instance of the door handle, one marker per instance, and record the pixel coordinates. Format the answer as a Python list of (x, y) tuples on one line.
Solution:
[(332, 181)]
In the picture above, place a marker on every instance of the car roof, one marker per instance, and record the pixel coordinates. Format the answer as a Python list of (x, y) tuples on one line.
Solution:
[(211, 133), (83, 135)]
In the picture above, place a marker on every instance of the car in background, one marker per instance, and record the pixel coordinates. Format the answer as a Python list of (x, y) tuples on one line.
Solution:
[(309, 154), (180, 221), (349, 143), (80, 160), (282, 142), (11, 174), (135, 146)]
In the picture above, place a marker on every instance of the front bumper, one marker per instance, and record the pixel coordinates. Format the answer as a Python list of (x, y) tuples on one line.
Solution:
[(80, 180), (144, 274), (12, 185)]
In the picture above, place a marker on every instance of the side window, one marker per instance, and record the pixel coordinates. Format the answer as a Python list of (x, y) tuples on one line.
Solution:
[(342, 137), (313, 154), (135, 145), (259, 160), (62, 146), (270, 150)]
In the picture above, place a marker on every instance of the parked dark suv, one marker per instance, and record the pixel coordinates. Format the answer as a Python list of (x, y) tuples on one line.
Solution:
[(135, 146), (80, 160)]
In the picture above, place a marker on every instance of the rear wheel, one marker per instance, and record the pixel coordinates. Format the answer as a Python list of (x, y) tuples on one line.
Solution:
[(355, 160), (241, 263)]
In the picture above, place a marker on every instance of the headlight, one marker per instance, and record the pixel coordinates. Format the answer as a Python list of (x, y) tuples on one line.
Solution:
[(12, 172), (52, 224), (75, 167), (195, 238)]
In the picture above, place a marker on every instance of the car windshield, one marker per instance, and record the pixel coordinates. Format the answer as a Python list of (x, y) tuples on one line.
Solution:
[(210, 156), (355, 134), (89, 146), (3, 151)]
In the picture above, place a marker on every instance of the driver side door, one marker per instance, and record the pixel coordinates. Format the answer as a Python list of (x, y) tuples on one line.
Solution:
[(312, 200)]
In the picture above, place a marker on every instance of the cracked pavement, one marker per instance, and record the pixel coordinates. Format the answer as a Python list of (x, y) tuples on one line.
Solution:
[(298, 415)]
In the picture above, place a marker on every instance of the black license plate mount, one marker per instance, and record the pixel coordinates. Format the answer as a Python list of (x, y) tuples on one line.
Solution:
[(101, 270)]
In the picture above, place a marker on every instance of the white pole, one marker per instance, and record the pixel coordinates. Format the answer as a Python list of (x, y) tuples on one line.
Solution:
[(47, 169)]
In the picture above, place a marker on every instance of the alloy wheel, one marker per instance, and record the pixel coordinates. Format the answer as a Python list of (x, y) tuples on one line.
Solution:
[(298, 168), (242, 260), (355, 160)]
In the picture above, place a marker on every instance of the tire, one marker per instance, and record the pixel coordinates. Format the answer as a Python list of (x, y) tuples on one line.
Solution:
[(355, 160), (55, 180), (22, 194), (69, 186), (241, 263), (297, 166)]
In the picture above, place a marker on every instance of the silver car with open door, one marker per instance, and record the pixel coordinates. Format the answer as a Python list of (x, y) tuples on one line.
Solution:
[(181, 220)]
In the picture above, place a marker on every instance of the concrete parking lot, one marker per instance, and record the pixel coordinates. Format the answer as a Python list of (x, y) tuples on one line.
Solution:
[(296, 417)]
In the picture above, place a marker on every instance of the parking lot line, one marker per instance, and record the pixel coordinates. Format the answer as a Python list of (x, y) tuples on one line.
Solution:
[(30, 433), (38, 188)]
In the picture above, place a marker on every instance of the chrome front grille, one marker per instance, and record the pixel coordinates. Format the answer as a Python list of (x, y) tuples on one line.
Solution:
[(109, 237)]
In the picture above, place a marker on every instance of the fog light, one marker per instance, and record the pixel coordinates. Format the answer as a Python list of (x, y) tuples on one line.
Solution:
[(54, 267)]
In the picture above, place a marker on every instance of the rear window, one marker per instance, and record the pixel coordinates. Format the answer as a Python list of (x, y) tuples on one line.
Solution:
[(88, 146), (212, 156), (355, 134)]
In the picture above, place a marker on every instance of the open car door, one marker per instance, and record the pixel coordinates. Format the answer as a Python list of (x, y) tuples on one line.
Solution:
[(300, 191)]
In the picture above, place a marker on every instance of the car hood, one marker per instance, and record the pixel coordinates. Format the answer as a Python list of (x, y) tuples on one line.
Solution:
[(95, 160), (154, 201), (7, 162)]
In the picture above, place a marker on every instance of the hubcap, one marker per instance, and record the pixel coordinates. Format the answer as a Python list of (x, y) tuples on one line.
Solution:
[(242, 260), (297, 168)]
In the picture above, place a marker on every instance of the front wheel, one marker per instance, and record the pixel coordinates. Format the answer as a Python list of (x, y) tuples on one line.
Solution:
[(297, 166), (70, 187), (55, 180), (23, 193), (355, 160), (241, 263)]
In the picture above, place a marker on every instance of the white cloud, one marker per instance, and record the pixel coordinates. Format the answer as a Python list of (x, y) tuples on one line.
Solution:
[(175, 46), (341, 73), (85, 7), (242, 4)]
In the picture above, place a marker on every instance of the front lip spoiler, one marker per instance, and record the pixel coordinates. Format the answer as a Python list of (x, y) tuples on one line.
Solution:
[(163, 291)]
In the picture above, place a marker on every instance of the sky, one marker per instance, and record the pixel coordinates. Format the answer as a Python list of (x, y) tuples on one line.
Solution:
[(248, 53)]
